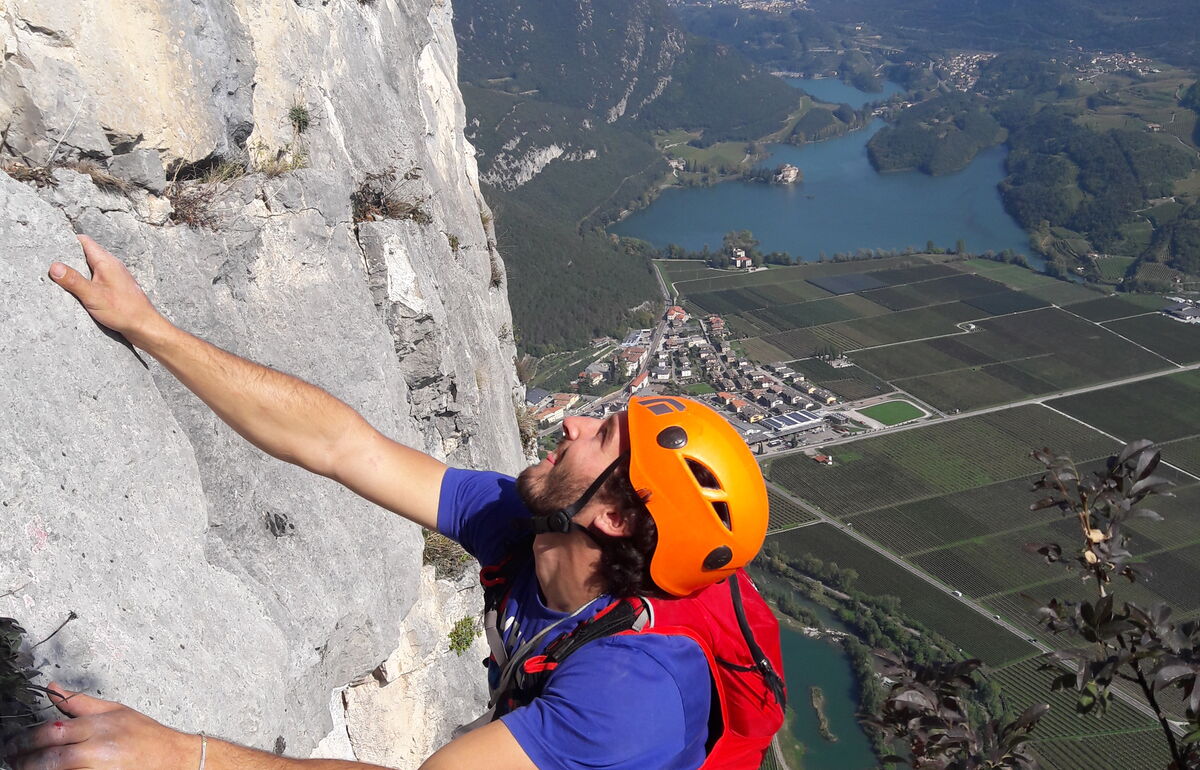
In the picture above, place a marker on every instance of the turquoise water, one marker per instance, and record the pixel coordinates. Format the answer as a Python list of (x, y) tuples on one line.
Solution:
[(843, 205), (808, 662), (836, 92)]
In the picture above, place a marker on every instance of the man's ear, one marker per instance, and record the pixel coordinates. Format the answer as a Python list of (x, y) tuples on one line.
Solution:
[(612, 522)]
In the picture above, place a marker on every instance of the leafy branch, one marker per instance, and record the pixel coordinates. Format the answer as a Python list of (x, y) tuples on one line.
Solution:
[(1138, 645)]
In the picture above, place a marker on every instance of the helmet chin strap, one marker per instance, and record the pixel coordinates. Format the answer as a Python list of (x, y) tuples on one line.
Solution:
[(562, 521)]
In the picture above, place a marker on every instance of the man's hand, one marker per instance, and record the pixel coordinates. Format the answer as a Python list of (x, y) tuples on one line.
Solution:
[(111, 296), (101, 735)]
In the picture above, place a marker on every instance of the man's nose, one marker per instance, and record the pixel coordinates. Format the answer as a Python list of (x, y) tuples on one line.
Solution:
[(574, 427)]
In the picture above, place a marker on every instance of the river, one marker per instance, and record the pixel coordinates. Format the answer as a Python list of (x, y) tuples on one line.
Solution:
[(842, 205), (809, 662)]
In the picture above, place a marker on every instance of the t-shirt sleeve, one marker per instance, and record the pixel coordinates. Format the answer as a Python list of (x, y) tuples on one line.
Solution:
[(620, 703), (480, 510)]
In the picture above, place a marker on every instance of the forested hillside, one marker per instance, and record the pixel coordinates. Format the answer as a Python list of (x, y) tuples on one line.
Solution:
[(562, 97), (939, 136)]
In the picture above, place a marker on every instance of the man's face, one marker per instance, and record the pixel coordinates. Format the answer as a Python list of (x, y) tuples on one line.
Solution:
[(587, 447)]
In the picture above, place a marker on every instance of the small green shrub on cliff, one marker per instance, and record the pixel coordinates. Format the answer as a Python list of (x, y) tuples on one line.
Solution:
[(463, 634), (300, 118)]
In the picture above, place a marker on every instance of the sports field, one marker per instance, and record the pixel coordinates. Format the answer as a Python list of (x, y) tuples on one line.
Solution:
[(892, 412)]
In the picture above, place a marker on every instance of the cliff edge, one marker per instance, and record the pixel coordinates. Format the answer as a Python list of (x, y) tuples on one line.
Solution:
[(291, 182)]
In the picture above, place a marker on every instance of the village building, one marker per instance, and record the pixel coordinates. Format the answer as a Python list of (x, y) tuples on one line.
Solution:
[(1187, 313)]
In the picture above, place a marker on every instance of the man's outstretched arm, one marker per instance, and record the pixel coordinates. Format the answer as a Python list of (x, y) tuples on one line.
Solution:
[(102, 735), (280, 414)]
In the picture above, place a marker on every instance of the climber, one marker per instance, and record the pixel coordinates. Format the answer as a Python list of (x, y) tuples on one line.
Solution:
[(610, 515)]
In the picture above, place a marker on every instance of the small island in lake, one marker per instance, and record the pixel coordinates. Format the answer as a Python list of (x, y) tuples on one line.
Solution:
[(785, 174), (818, 704)]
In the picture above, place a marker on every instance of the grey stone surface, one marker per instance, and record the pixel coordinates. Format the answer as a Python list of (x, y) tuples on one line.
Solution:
[(219, 589), (141, 167)]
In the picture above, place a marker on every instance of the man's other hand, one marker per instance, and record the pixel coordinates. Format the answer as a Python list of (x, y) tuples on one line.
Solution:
[(101, 735), (111, 296)]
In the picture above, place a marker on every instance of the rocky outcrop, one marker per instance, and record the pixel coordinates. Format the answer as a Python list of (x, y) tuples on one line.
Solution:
[(216, 146)]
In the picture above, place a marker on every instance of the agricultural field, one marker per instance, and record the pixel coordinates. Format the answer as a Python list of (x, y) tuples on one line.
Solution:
[(798, 273), (1009, 358), (1124, 738), (933, 460), (815, 312), (1117, 306), (1184, 454), (976, 634), (1113, 269), (1161, 409), (892, 412), (785, 514), (673, 270), (1175, 340), (849, 382)]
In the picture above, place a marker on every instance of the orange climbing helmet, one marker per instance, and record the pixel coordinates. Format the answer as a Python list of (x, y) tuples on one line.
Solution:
[(703, 488)]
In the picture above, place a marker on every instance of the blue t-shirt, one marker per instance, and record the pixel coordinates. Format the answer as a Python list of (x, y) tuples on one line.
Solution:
[(618, 702)]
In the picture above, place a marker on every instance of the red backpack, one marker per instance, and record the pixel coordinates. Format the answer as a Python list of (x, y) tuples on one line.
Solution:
[(729, 620)]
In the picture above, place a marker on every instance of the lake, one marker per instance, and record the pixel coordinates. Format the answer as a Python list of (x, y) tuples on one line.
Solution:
[(841, 206), (835, 91)]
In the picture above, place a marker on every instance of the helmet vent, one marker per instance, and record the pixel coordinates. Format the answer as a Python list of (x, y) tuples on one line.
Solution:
[(673, 437), (717, 558), (722, 509), (704, 477)]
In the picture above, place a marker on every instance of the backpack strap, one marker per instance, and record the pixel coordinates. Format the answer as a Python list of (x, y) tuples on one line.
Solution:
[(497, 580), (631, 614), (761, 662)]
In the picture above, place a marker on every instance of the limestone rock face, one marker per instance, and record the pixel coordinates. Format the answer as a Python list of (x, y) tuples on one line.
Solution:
[(217, 588)]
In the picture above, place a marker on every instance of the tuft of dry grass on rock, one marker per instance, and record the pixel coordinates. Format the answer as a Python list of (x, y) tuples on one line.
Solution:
[(101, 177), (447, 557), (273, 163), (40, 176), (377, 198), (194, 204), (527, 425), (497, 271)]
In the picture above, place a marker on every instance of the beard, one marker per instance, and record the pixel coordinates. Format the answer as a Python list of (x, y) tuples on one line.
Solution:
[(544, 492)]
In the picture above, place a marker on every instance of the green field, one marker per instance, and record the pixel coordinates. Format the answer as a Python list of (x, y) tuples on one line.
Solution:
[(934, 460), (1124, 738), (1113, 269), (928, 605), (1161, 409), (1009, 358), (849, 382), (1117, 306), (892, 412), (786, 514), (1177, 341)]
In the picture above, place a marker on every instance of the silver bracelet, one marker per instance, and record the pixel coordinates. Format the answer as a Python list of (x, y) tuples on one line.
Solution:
[(203, 749)]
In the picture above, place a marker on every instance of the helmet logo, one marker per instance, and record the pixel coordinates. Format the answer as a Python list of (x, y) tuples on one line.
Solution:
[(673, 437), (661, 406), (717, 558)]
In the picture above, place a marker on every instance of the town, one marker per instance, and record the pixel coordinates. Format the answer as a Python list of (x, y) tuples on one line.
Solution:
[(773, 407)]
